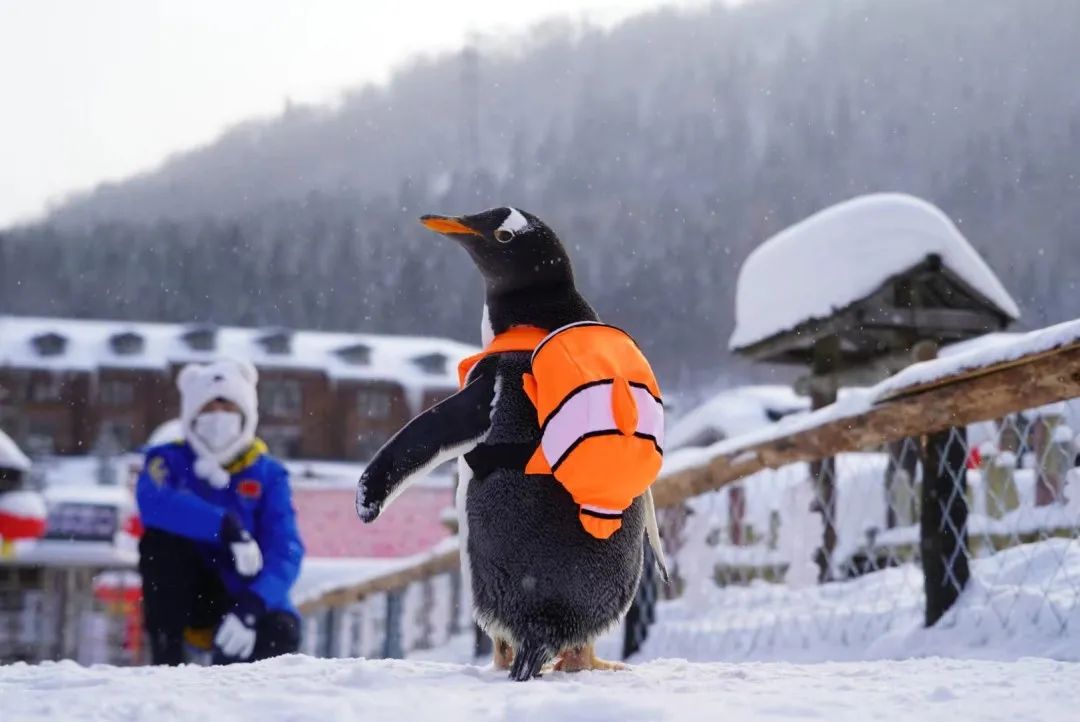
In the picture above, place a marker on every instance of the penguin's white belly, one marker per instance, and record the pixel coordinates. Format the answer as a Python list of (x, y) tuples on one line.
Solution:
[(460, 500)]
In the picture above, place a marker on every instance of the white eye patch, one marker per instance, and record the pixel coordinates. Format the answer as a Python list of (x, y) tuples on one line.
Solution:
[(515, 222)]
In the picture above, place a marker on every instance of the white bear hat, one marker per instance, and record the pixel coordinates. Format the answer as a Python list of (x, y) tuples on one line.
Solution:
[(226, 378)]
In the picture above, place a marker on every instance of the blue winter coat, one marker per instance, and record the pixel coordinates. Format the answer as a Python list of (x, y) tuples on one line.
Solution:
[(172, 498)]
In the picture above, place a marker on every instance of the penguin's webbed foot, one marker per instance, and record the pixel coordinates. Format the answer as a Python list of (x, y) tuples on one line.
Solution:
[(503, 654), (580, 659)]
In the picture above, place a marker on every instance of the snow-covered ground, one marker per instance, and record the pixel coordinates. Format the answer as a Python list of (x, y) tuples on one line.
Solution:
[(1023, 601), (301, 688)]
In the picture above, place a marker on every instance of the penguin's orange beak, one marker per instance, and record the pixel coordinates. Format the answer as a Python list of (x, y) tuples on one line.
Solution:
[(447, 224)]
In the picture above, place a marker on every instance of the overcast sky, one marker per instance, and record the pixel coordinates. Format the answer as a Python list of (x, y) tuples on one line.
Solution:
[(97, 90)]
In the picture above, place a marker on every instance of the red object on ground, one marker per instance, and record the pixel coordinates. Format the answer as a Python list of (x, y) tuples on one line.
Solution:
[(974, 459)]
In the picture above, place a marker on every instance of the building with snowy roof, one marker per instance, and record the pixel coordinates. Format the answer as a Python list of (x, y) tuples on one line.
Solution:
[(875, 275), (70, 386)]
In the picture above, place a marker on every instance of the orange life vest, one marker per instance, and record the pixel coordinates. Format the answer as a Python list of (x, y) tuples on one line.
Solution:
[(600, 414)]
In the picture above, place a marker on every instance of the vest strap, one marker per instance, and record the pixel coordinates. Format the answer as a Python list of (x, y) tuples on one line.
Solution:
[(517, 338)]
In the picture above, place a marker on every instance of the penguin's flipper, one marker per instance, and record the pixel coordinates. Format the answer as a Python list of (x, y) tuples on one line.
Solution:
[(652, 529), (443, 432)]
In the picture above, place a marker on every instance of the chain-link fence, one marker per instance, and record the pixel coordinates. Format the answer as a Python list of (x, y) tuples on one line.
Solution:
[(849, 557)]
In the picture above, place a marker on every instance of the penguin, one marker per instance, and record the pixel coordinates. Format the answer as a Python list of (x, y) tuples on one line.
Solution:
[(543, 588)]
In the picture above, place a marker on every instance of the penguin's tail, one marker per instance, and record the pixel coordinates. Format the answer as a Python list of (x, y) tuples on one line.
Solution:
[(528, 660)]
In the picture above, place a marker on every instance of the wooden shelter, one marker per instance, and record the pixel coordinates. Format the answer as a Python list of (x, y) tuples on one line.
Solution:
[(854, 294)]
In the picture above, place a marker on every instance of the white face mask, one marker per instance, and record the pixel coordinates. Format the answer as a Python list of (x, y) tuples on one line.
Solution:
[(218, 429)]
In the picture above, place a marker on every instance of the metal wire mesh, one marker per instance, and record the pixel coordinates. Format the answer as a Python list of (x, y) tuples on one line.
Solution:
[(827, 560)]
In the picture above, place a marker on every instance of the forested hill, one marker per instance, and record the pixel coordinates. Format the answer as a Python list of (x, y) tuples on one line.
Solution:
[(662, 151)]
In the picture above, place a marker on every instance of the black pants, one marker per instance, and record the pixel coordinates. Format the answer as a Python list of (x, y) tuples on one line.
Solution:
[(179, 591)]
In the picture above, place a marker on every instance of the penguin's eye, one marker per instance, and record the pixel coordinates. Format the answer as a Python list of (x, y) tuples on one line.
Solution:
[(503, 235)]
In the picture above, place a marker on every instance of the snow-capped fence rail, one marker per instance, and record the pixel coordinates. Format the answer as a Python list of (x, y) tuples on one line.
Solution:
[(912, 403), (965, 460)]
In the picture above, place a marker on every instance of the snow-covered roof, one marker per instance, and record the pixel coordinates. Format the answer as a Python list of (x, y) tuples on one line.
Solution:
[(843, 254), (11, 456), (732, 412), (91, 345)]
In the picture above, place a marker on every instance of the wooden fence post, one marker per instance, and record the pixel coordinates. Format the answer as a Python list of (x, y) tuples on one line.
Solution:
[(642, 612), (456, 601), (483, 646), (823, 387), (943, 529), (392, 646)]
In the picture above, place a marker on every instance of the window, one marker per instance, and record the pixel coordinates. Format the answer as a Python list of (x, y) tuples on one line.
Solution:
[(358, 354), (127, 343), (375, 402), (284, 441), (114, 436), (277, 342), (200, 338), (49, 344), (280, 397), (27, 386), (40, 438), (117, 393), (432, 363), (44, 389)]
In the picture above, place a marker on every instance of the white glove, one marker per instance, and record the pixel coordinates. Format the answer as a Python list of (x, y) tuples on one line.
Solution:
[(247, 556), (234, 638)]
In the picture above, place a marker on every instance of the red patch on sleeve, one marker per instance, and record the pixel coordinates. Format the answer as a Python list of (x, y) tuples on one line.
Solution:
[(249, 489)]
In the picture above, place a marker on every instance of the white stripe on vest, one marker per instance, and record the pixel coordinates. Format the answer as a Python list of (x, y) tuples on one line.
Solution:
[(588, 412)]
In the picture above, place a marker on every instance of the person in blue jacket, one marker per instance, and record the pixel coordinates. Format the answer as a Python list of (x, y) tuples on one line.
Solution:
[(220, 548)]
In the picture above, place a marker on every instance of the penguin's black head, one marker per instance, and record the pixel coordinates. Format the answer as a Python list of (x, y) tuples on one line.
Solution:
[(514, 250)]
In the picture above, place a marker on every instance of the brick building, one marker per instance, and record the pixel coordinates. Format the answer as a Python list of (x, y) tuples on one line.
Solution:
[(68, 387)]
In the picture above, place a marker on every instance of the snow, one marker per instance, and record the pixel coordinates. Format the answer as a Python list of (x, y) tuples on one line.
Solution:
[(855, 401), (868, 240), (1003, 350), (322, 576), (733, 412), (393, 358), (298, 688), (23, 504), (319, 576), (11, 456)]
